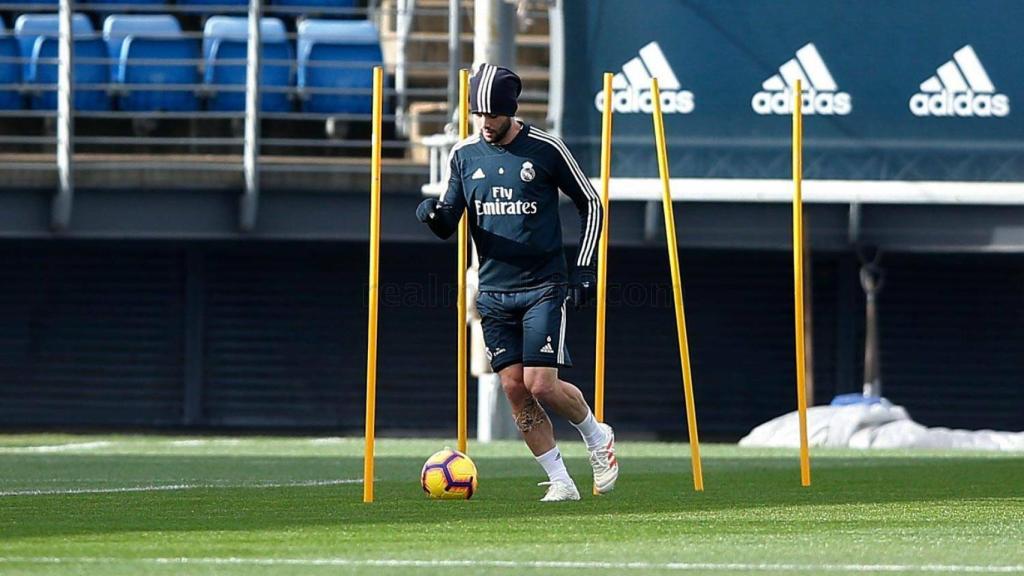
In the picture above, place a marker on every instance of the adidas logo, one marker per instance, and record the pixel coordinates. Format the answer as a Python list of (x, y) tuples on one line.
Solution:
[(820, 93), (547, 347), (631, 88), (960, 87), (478, 175)]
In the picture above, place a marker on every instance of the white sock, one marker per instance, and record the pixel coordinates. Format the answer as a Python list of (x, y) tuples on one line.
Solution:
[(553, 464), (592, 434)]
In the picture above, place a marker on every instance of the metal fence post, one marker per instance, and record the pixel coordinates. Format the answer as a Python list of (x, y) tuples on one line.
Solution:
[(494, 31), (60, 217), (249, 206), (454, 55), (403, 27), (556, 65)]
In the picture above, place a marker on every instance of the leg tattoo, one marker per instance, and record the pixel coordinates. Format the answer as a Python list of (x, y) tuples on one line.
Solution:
[(530, 416)]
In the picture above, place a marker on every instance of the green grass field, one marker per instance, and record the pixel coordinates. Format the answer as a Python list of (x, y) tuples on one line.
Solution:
[(115, 505)]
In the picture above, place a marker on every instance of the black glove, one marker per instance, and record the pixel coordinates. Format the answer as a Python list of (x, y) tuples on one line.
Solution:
[(582, 288), (425, 211), (440, 218)]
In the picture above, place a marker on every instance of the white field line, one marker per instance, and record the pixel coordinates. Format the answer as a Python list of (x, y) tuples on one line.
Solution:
[(332, 440), (192, 442), (69, 447), (167, 487), (206, 442), (539, 564)]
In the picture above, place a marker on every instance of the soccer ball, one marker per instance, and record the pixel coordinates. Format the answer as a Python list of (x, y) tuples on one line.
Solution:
[(449, 475)]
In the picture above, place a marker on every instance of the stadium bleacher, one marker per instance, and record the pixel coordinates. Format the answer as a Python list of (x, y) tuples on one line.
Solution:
[(316, 3), (156, 62), (131, 2), (173, 82), (354, 43), (201, 5), (140, 43), (37, 36), (28, 27), (224, 53), (88, 70), (118, 27)]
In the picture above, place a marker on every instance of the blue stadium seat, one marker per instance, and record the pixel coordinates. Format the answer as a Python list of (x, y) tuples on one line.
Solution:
[(133, 2), (37, 40), (225, 38), (138, 43), (117, 27), (10, 71), (316, 3), (203, 5), (89, 69), (337, 54), (237, 28), (28, 27), (137, 66), (103, 8)]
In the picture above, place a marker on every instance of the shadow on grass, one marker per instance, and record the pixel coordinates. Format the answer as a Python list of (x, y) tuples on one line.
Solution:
[(507, 490)]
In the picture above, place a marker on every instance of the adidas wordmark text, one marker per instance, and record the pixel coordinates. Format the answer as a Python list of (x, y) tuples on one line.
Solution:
[(631, 88), (960, 87), (821, 95)]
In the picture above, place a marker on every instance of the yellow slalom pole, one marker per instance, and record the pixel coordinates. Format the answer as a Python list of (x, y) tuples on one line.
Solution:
[(602, 251), (371, 332), (677, 289), (798, 281), (462, 265)]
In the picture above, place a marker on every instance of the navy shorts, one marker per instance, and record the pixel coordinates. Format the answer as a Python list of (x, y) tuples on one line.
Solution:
[(526, 327)]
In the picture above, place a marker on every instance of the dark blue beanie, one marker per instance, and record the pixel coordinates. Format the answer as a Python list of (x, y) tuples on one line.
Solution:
[(494, 90)]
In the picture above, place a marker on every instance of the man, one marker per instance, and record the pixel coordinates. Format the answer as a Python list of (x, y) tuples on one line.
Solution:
[(507, 178)]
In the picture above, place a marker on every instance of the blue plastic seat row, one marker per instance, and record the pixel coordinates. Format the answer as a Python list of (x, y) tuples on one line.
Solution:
[(140, 50), (298, 3)]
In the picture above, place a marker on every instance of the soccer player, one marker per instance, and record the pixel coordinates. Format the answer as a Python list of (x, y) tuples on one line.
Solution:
[(507, 179)]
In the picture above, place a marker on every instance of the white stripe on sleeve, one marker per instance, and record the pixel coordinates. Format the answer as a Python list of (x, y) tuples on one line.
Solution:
[(590, 237)]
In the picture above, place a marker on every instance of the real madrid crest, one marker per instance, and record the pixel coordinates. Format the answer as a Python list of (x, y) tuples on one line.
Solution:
[(527, 174)]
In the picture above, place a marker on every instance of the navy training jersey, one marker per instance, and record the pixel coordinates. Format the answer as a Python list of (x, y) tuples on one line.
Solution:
[(511, 196)]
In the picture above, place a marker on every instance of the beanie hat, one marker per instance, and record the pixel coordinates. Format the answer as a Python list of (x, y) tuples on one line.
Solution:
[(494, 90)]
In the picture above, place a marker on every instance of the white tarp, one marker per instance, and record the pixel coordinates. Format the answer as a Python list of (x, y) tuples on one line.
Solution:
[(880, 425)]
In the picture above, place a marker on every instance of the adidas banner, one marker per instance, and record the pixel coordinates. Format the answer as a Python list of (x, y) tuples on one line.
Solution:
[(909, 89)]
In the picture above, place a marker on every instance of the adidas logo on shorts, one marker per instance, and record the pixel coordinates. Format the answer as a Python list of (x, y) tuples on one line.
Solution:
[(546, 348)]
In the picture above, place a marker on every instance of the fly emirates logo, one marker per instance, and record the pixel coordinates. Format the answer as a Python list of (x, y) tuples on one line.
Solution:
[(502, 204)]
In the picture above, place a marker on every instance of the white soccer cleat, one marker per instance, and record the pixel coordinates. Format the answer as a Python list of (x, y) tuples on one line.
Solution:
[(602, 460), (559, 491)]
